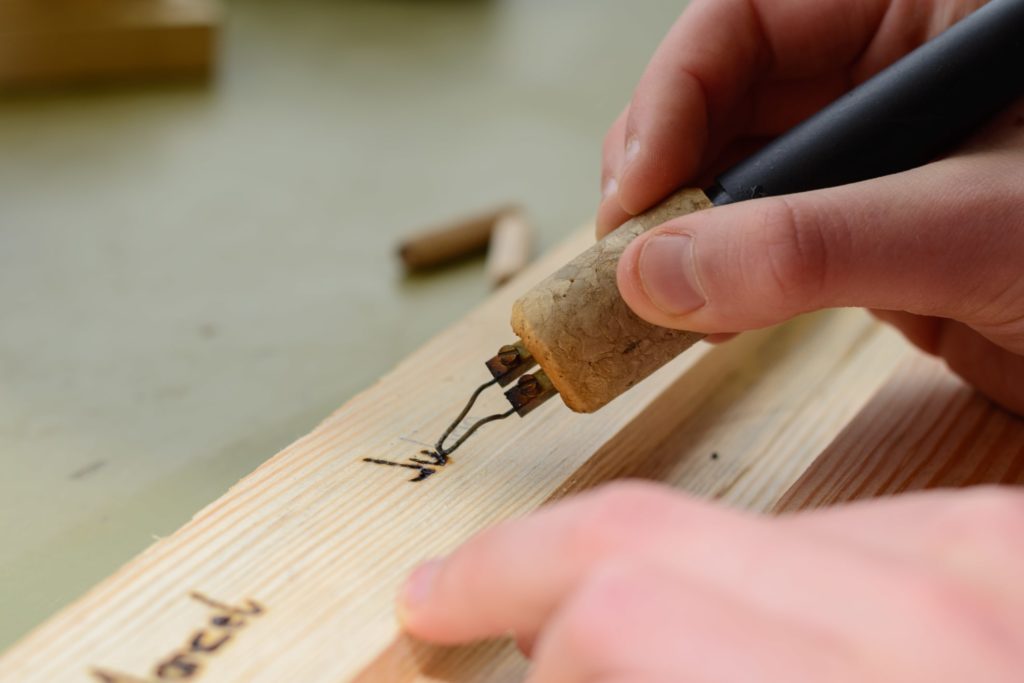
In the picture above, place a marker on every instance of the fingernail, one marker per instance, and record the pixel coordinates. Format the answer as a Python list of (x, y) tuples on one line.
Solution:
[(632, 149), (668, 275), (418, 586), (610, 188)]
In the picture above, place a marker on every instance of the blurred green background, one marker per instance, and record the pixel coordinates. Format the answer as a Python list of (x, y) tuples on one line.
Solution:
[(192, 276)]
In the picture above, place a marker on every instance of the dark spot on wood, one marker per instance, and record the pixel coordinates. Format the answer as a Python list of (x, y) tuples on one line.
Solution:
[(633, 345), (714, 456), (85, 471), (227, 621)]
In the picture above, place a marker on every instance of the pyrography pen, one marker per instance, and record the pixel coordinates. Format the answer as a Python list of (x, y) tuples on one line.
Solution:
[(590, 347)]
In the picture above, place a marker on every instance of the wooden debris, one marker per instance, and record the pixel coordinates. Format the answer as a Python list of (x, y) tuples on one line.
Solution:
[(451, 241)]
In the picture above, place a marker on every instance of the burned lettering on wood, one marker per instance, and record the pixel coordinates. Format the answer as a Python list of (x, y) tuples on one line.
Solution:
[(423, 471), (178, 666), (186, 663), (424, 467), (204, 641)]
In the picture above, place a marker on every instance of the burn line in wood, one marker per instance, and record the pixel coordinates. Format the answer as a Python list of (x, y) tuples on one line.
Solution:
[(510, 363)]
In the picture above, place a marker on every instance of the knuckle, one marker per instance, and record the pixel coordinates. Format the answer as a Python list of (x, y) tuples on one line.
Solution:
[(793, 251), (1000, 316)]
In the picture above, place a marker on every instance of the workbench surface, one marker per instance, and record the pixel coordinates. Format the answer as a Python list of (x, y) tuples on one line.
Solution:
[(192, 276)]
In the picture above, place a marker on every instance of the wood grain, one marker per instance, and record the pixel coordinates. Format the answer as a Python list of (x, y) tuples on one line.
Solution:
[(320, 539), (925, 429)]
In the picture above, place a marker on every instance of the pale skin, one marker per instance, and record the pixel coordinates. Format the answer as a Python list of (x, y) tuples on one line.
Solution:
[(635, 583)]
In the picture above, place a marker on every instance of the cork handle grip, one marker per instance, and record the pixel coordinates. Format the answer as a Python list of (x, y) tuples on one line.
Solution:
[(580, 331)]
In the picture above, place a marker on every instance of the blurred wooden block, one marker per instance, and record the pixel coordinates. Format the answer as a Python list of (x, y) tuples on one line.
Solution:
[(61, 41)]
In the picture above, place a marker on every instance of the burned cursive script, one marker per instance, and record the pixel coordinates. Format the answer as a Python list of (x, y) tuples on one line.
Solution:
[(423, 467), (187, 661)]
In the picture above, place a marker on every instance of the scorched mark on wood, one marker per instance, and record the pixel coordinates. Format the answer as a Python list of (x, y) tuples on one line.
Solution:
[(424, 468)]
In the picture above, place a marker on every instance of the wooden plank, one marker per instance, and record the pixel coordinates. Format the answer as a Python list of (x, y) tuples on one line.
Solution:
[(926, 429), (60, 41), (319, 539)]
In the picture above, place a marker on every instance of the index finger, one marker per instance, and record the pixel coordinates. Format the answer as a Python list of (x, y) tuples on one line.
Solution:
[(693, 89), (512, 577)]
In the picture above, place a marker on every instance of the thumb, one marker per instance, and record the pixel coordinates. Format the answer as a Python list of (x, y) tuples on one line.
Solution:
[(939, 240)]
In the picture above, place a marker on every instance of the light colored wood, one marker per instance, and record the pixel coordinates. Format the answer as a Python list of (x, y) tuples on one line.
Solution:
[(447, 242), (584, 336), (926, 429), (321, 540), (58, 41), (510, 247)]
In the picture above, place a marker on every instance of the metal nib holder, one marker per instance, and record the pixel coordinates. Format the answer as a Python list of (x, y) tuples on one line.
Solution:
[(511, 363)]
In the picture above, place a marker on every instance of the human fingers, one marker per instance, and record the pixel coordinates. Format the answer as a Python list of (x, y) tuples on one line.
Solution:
[(883, 606), (705, 68), (969, 532), (922, 241), (610, 213), (510, 578), (636, 622), (811, 610)]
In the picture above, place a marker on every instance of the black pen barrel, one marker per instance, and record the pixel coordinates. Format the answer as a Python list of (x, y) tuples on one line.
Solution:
[(903, 117)]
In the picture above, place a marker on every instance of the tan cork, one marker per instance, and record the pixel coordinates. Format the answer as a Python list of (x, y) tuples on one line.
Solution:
[(575, 323)]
